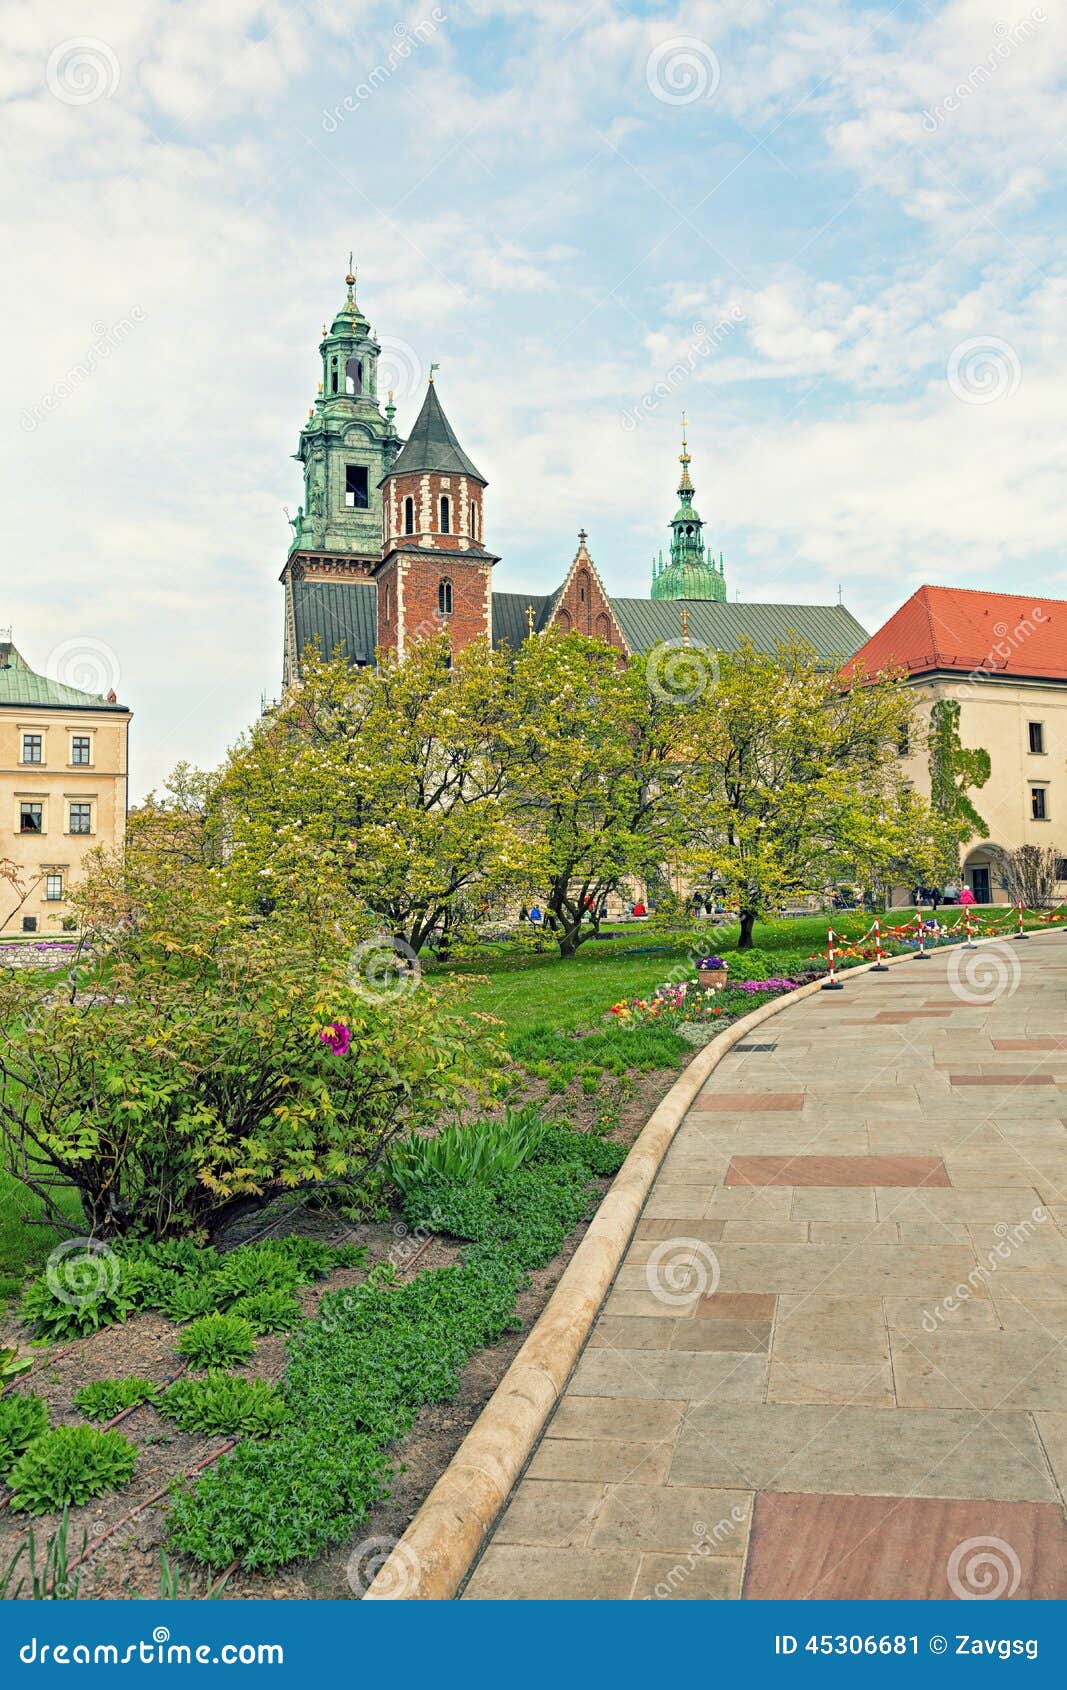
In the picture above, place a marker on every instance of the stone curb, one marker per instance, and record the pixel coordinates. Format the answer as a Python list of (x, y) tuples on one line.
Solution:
[(431, 1560)]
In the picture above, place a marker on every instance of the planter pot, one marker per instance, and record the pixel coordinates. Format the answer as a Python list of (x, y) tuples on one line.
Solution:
[(711, 976)]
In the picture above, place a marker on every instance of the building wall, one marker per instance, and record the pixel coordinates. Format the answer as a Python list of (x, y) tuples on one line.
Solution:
[(56, 783), (410, 603), (995, 715)]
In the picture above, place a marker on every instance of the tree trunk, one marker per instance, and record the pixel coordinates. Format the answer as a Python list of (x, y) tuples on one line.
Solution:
[(748, 922)]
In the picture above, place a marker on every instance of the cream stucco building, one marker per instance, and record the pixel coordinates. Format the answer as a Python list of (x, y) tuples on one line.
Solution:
[(64, 756), (1003, 658)]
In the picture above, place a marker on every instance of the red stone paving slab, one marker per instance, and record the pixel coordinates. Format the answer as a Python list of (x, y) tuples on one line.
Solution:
[(883, 1548), (751, 1102), (737, 1305), (837, 1170), (1050, 1043), (1001, 1079)]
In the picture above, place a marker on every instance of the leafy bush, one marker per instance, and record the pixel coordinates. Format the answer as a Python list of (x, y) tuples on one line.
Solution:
[(70, 1464), (268, 1311), (105, 1398), (84, 1291), (474, 1152), (264, 1268), (22, 1418), (360, 1371), (188, 1072), (190, 1297), (226, 1407), (219, 1340)]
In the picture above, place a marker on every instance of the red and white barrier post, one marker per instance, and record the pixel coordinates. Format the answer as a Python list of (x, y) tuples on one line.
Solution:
[(1019, 912), (879, 955), (922, 954), (969, 945), (833, 984)]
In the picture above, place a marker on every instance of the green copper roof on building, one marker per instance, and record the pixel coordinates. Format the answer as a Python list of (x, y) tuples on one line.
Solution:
[(19, 684), (688, 574)]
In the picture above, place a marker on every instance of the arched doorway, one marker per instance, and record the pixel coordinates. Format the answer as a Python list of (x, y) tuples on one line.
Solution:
[(980, 874)]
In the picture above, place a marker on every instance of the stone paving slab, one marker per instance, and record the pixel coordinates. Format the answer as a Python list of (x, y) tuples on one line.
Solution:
[(829, 1384)]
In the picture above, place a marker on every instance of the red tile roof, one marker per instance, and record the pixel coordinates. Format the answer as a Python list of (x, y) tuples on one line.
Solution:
[(965, 631)]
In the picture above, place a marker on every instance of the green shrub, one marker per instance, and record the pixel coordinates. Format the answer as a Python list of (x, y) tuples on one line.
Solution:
[(22, 1418), (82, 1291), (70, 1464), (268, 1311), (260, 1267), (105, 1398), (225, 1407), (219, 1340), (475, 1152)]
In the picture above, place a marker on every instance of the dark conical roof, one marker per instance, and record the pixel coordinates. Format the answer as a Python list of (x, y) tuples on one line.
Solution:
[(432, 445)]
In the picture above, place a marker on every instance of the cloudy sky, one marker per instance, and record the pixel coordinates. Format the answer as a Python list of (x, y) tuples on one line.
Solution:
[(831, 231)]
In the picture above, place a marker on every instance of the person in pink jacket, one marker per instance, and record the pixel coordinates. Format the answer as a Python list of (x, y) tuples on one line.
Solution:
[(967, 897)]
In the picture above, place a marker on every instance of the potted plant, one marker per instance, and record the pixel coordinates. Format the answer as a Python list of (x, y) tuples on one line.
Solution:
[(711, 971)]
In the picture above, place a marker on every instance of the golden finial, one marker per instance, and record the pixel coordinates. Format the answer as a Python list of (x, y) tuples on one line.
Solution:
[(529, 621), (685, 626), (433, 367), (582, 538), (350, 279), (325, 331), (320, 387)]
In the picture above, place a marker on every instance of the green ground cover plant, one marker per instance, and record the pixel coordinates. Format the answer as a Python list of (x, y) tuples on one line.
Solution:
[(475, 1151), (374, 1355), (105, 1398), (70, 1464), (217, 1341), (225, 1407), (22, 1418)]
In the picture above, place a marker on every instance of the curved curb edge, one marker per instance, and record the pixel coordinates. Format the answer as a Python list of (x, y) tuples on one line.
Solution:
[(447, 1534)]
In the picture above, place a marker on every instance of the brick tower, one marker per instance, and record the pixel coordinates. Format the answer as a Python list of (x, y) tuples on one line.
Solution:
[(435, 574)]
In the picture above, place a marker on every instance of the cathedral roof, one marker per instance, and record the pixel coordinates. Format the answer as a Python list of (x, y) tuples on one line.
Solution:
[(432, 444), (19, 684)]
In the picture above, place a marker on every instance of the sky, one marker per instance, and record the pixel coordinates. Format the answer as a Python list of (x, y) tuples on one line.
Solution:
[(831, 232)]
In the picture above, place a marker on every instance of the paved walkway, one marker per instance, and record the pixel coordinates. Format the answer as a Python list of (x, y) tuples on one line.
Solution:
[(834, 1360)]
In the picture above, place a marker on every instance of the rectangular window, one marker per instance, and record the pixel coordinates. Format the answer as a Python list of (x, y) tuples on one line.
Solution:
[(33, 748), (53, 888), (81, 749), (31, 818), (1037, 738), (1061, 868), (29, 924), (1038, 805), (357, 494), (81, 818)]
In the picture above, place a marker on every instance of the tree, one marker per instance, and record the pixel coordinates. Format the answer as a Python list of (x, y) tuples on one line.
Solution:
[(1029, 874), (954, 769), (600, 785), (799, 771), (394, 781)]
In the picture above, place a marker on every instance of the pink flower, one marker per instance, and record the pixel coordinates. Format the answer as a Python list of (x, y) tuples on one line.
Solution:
[(337, 1037)]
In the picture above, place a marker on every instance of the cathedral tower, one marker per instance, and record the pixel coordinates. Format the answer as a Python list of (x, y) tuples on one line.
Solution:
[(345, 448), (688, 574), (435, 574)]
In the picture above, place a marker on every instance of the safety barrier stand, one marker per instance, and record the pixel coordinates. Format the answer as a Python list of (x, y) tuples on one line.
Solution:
[(879, 959), (922, 954), (969, 944), (1019, 913), (833, 984)]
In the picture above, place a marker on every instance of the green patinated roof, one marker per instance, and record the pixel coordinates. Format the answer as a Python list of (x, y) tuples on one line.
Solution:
[(19, 684), (336, 614), (432, 444), (831, 629)]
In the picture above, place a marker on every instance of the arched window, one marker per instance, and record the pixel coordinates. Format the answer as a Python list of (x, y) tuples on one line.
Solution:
[(388, 604), (583, 582), (446, 514), (354, 376), (474, 520), (333, 375), (444, 596), (409, 516), (603, 627), (563, 621)]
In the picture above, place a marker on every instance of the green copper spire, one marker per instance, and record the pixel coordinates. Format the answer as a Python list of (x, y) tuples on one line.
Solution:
[(689, 574)]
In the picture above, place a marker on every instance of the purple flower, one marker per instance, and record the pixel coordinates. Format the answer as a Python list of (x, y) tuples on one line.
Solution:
[(337, 1037), (712, 962)]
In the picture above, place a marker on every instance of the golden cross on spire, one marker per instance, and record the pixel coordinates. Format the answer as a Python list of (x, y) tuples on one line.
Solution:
[(582, 536), (530, 620)]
